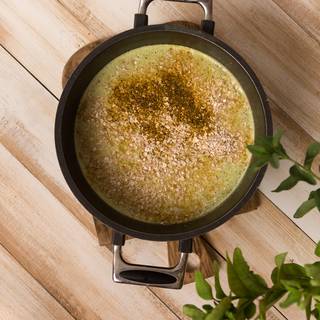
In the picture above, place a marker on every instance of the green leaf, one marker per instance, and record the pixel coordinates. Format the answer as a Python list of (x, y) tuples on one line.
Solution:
[(267, 149), (277, 146), (276, 138), (293, 271), (235, 284), (315, 283), (271, 297), (266, 142), (316, 196), (306, 207), (274, 161), (315, 291), (239, 315), (219, 291), (230, 315), (286, 184), (291, 284), (296, 174), (316, 312), (220, 310), (259, 163), (317, 251), (313, 270), (279, 260), (294, 296), (312, 152), (257, 150), (262, 313), (253, 282), (290, 271), (282, 152), (317, 309), (207, 307), (302, 175), (250, 310), (193, 312), (239, 312), (306, 305), (203, 287)]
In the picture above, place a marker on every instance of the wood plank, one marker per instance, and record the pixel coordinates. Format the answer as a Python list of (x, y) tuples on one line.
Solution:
[(240, 242), (61, 255), (24, 298), (285, 58), (27, 125), (305, 13), (88, 16), (114, 17), (39, 157), (296, 141), (138, 251), (262, 235), (199, 260), (34, 146), (53, 284), (275, 234), (27, 25)]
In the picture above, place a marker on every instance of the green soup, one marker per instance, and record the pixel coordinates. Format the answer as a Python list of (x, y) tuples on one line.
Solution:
[(161, 133)]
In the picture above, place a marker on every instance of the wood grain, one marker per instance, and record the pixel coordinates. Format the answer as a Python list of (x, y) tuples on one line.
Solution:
[(89, 15), (262, 234), (60, 287), (60, 253), (256, 243), (27, 125), (104, 234), (296, 141), (285, 56), (27, 26), (199, 260), (138, 251), (22, 297), (305, 13), (67, 272), (281, 52), (75, 60)]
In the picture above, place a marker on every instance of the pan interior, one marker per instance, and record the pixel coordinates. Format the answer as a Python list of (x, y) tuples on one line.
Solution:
[(161, 133), (84, 75)]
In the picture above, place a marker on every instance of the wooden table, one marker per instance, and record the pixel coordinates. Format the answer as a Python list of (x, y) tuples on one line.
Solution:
[(51, 266)]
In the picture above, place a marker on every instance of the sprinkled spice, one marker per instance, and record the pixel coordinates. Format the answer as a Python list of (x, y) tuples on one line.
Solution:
[(161, 133)]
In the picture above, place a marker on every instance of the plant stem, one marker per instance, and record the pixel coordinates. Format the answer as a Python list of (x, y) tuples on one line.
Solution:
[(302, 167)]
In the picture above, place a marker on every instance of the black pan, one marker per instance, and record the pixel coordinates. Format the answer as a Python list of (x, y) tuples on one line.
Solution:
[(143, 35)]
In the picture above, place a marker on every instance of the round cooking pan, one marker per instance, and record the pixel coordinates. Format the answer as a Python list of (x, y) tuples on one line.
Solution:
[(143, 35)]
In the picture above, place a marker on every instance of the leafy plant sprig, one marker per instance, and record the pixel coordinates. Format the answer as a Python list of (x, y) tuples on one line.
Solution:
[(249, 297), (270, 150)]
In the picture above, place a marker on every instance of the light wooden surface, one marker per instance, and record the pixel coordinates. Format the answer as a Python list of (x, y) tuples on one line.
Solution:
[(200, 259), (51, 266)]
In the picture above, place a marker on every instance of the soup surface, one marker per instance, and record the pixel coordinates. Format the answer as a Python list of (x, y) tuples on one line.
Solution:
[(161, 133)]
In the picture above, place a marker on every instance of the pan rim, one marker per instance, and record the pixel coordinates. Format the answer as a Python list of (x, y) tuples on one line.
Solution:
[(73, 185)]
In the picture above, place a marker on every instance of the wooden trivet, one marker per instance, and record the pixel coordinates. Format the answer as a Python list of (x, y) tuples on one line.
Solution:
[(203, 254)]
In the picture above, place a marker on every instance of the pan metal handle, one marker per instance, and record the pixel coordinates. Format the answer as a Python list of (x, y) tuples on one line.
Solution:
[(124, 272), (141, 18), (205, 4)]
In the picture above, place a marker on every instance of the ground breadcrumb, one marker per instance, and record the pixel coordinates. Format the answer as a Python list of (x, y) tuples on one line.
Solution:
[(161, 133)]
